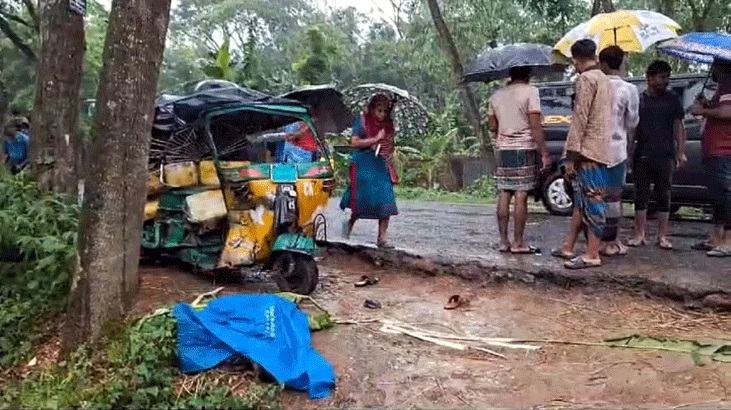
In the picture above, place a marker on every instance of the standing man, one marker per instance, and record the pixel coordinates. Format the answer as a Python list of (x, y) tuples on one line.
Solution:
[(587, 156), (716, 147), (625, 116), (514, 116), (16, 148), (660, 148)]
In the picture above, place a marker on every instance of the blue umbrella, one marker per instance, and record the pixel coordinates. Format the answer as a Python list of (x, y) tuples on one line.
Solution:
[(699, 47), (495, 63)]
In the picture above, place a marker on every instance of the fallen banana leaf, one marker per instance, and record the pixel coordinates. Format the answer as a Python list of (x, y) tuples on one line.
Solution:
[(717, 351), (317, 321)]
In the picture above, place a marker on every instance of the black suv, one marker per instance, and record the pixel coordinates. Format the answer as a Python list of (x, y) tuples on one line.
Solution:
[(688, 189)]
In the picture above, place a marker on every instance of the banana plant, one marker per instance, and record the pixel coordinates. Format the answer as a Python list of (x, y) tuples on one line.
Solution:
[(222, 67)]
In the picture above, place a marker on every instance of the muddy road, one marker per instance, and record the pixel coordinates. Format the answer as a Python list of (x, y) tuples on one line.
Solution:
[(398, 371)]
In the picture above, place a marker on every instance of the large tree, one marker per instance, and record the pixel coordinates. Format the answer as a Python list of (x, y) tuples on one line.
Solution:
[(56, 109), (109, 239), (469, 105)]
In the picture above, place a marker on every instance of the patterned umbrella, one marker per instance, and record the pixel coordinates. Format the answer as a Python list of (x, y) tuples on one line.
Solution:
[(410, 117), (699, 47), (632, 30)]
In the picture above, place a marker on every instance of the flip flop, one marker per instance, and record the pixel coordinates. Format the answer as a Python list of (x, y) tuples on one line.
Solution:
[(504, 249), (579, 263), (372, 304), (558, 253), (701, 246), (635, 242), (532, 250), (384, 245), (719, 252), (665, 245), (621, 251), (366, 280), (456, 301)]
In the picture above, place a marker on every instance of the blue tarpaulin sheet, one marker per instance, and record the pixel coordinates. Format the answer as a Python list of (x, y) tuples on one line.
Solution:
[(267, 329)]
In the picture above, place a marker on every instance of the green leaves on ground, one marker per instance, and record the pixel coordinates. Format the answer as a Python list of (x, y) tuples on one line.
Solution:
[(38, 242), (134, 369), (717, 351)]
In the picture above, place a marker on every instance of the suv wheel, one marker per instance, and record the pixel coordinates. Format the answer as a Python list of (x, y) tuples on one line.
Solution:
[(555, 197)]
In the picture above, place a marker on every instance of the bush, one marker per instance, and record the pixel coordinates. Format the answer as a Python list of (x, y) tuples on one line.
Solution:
[(38, 241), (133, 369)]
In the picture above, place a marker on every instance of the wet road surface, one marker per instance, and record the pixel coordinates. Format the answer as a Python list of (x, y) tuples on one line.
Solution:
[(452, 233)]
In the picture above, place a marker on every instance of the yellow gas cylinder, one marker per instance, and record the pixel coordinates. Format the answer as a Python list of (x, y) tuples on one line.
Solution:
[(154, 185), (208, 174), (180, 175), (151, 208)]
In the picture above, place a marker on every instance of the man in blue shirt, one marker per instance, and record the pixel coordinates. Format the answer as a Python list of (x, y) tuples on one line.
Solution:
[(16, 148)]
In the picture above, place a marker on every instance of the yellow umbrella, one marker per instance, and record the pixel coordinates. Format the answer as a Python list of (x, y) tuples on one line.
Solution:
[(632, 30)]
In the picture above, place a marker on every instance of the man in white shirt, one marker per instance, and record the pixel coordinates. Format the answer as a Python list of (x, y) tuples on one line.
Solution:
[(625, 117)]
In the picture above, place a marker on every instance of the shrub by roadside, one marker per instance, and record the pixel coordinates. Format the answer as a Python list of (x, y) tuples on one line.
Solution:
[(38, 241)]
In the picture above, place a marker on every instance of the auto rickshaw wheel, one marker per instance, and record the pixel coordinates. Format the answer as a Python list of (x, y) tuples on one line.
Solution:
[(295, 272)]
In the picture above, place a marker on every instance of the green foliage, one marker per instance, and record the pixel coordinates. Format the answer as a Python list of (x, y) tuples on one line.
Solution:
[(133, 369), (42, 229), (315, 66), (221, 68)]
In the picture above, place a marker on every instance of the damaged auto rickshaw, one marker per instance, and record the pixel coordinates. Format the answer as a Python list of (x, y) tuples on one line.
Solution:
[(220, 195)]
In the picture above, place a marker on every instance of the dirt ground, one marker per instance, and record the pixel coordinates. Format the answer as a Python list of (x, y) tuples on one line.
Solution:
[(396, 371)]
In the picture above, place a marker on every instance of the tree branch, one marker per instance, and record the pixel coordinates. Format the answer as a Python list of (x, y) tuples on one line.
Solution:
[(33, 13), (15, 18), (6, 29)]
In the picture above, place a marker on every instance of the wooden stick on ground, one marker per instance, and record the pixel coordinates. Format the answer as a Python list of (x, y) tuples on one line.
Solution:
[(202, 296)]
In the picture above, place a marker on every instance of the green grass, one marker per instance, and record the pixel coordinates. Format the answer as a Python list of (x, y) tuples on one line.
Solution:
[(133, 367), (423, 194), (481, 192)]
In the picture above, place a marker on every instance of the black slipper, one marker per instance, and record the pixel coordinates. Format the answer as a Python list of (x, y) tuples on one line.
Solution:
[(701, 246), (366, 281), (532, 250), (372, 304)]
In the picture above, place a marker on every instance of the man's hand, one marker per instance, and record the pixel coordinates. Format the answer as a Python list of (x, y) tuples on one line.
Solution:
[(546, 161), (570, 169), (681, 160), (697, 108)]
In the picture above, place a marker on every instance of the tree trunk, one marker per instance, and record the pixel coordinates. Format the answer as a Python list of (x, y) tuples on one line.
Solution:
[(115, 187), (56, 111), (602, 6), (469, 106)]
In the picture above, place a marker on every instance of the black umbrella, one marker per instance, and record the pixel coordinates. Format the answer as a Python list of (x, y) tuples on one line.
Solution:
[(495, 63), (333, 115)]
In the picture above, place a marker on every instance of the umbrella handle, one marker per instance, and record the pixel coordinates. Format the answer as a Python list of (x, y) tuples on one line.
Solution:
[(700, 94)]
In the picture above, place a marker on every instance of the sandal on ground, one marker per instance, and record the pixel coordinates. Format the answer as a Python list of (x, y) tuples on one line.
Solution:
[(558, 253), (621, 250), (720, 252), (366, 280), (702, 246), (372, 304), (637, 242), (456, 301), (580, 263), (665, 244), (384, 245), (504, 248), (531, 250)]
